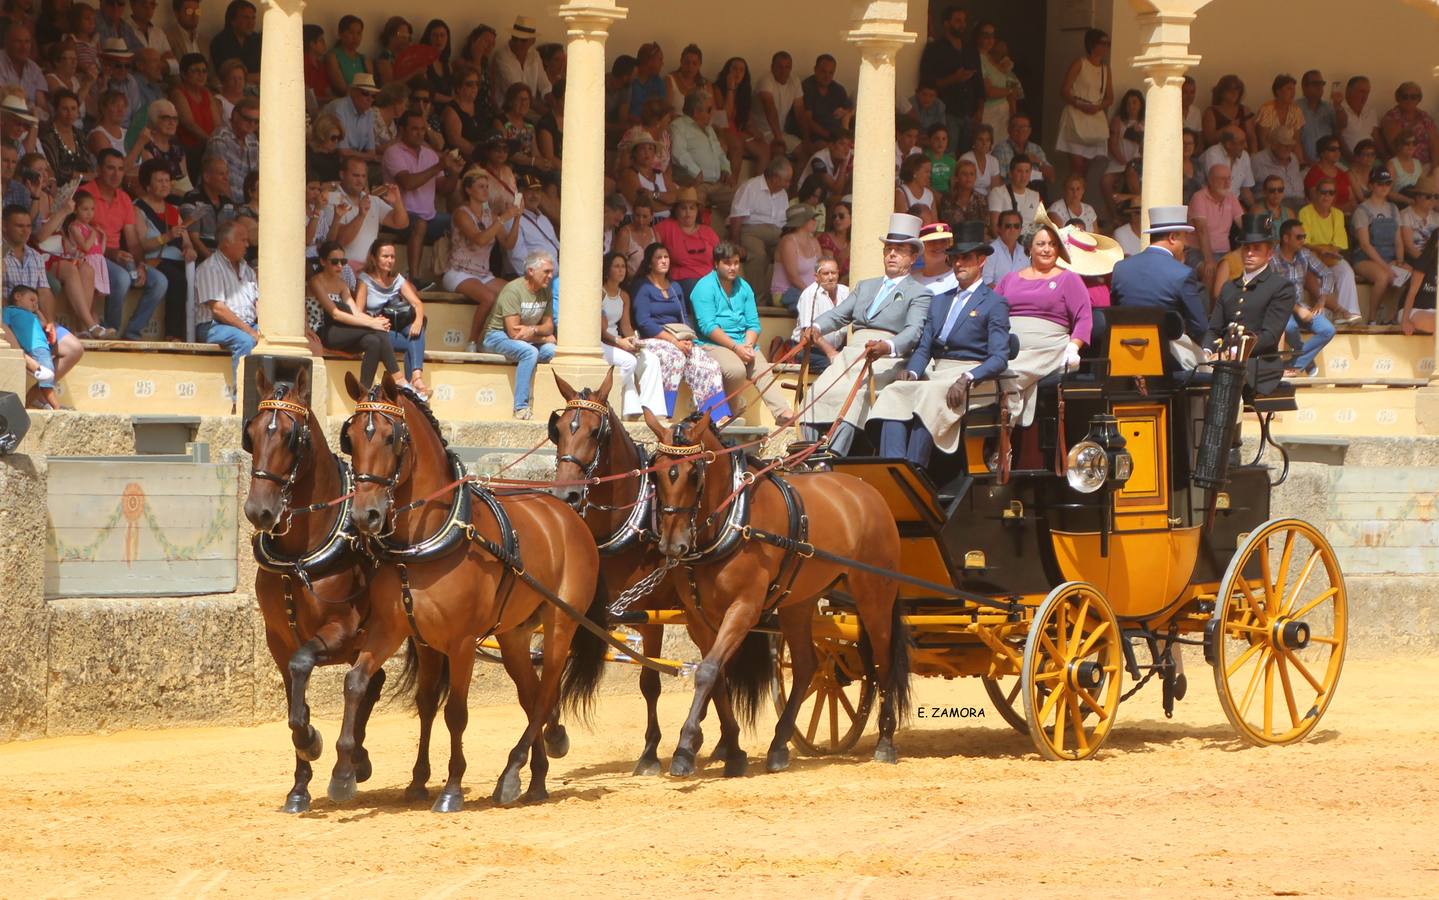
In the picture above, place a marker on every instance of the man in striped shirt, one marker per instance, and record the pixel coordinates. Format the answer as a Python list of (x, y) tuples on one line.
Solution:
[(226, 294)]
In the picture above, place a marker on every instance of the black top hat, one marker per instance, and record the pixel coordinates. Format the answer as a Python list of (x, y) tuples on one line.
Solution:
[(969, 238), (1256, 228)]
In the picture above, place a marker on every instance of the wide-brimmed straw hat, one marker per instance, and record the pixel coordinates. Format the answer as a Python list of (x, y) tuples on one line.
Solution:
[(1090, 255), (364, 81), (936, 231), (15, 105), (115, 48)]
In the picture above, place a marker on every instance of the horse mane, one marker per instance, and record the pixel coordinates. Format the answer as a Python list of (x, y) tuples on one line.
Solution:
[(424, 407)]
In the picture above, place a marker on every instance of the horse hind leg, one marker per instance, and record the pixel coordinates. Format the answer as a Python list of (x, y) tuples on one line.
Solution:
[(888, 639), (796, 623), (343, 781), (557, 739), (457, 717), (559, 634), (363, 767)]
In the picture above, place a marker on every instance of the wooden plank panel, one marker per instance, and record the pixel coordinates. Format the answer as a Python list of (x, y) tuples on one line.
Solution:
[(151, 578), (91, 478)]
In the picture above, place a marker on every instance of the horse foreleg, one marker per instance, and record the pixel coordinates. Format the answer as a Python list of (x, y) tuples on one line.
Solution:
[(727, 749), (428, 684), (796, 623), (559, 634), (363, 769), (357, 687), (739, 618), (649, 761), (876, 617), (298, 800), (457, 717)]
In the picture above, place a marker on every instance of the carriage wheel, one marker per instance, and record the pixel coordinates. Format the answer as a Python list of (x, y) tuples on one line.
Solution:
[(1073, 666), (836, 706), (1281, 622), (1004, 694)]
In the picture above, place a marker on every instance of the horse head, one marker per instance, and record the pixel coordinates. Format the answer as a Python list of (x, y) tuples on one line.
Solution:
[(377, 440), (579, 432), (680, 461), (278, 439)]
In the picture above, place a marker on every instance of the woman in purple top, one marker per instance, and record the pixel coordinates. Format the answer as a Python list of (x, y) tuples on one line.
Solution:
[(1049, 311)]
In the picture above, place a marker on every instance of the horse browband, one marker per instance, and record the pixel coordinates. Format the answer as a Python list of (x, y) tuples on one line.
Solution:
[(590, 405), (295, 409), (686, 450), (374, 406)]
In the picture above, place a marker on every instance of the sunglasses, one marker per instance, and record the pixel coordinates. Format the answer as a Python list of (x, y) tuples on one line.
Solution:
[(1411, 96), (336, 261), (1329, 193), (1008, 226), (253, 120)]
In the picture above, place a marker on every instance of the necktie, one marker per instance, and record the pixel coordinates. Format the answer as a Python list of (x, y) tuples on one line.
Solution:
[(885, 290), (955, 308)]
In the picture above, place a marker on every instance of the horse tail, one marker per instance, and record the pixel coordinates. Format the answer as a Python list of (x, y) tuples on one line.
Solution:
[(896, 685), (409, 678), (750, 674), (586, 664)]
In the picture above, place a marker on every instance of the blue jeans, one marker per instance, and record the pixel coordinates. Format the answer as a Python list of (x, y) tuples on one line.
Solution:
[(1323, 332), (231, 338), (120, 281), (412, 347), (961, 134), (525, 355)]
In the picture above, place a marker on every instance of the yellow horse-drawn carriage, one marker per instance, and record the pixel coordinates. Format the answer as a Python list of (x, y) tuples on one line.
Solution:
[(1127, 529)]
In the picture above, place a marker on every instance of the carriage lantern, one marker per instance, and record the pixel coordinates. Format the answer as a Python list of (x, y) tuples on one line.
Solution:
[(1099, 458)]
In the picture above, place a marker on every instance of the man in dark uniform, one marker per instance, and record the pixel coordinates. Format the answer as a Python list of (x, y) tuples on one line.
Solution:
[(1260, 300)]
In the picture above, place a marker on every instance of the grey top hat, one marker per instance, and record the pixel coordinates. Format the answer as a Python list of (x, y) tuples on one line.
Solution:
[(1163, 219), (903, 229)]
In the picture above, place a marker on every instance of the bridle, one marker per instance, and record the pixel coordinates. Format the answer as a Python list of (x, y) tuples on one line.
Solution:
[(299, 442), (602, 436), (683, 451), (400, 434)]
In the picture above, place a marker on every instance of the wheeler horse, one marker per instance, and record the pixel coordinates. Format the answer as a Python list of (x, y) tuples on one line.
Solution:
[(460, 564)]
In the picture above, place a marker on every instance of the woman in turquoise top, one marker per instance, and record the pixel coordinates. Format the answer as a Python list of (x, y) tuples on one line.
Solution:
[(728, 329), (345, 61)]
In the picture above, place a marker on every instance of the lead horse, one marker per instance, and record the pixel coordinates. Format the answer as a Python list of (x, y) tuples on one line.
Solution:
[(744, 545), (460, 564)]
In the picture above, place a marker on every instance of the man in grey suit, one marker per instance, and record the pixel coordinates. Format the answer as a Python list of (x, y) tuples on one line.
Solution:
[(886, 316)]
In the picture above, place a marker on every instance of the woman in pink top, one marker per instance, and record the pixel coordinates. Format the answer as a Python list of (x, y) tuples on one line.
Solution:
[(691, 243)]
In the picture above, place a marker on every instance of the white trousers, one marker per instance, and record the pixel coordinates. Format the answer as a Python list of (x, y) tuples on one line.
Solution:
[(643, 389)]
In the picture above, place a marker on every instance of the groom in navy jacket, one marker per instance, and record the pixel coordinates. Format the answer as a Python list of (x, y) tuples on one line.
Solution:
[(965, 339), (1158, 277)]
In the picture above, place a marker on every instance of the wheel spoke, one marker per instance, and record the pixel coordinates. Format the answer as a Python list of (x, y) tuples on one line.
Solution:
[(1288, 690), (1285, 557), (1079, 622), (1014, 691), (1253, 683), (1299, 583), (1269, 696), (1091, 640), (1059, 721), (1266, 571), (1048, 705), (833, 721), (1050, 675), (1061, 629), (1309, 607), (1243, 658), (1077, 720), (1256, 609), (1048, 647), (1331, 641), (1088, 700), (1304, 670), (814, 718), (844, 701)]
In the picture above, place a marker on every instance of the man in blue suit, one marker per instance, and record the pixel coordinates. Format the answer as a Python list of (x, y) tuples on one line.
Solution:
[(965, 340), (1158, 277)]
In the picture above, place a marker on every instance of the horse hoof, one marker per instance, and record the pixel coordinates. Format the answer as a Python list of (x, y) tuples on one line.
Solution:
[(536, 794), (885, 753), (449, 802), (557, 742), (296, 803), (648, 765), (682, 766), (311, 751), (777, 761), (720, 754), (363, 769), (736, 765), (342, 790), (507, 789), (416, 793)]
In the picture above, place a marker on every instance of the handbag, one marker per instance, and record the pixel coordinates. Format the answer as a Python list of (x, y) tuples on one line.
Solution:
[(400, 313), (680, 331), (1089, 129)]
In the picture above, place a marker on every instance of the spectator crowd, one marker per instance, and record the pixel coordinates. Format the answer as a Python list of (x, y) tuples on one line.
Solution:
[(131, 154)]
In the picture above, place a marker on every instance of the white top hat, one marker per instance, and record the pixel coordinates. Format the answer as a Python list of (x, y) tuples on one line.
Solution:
[(903, 229), (524, 29), (1164, 219)]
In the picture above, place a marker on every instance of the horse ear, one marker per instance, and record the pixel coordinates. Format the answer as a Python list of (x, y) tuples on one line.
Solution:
[(352, 386), (388, 387), (701, 427), (565, 390), (262, 383), (660, 431), (302, 385), (607, 384)]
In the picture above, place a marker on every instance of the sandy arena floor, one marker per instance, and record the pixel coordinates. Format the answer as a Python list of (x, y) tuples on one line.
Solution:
[(1176, 808)]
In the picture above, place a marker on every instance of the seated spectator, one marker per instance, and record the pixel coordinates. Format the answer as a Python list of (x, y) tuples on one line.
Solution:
[(521, 326), (1193, 115), (65, 74), (632, 239), (420, 171), (518, 63), (932, 269), (550, 132), (198, 108), (1016, 195), (436, 75), (814, 301), (474, 231), (1127, 234), (396, 37), (234, 87), (1281, 112), (238, 144), (515, 125), (1308, 275), (422, 103), (19, 69), (150, 74), (1052, 323), (1072, 206), (62, 142), (823, 108), (111, 129), (833, 164), (184, 31), (648, 85), (665, 331), (477, 51), (925, 107), (357, 116), (317, 76), (796, 257), (727, 325), (1328, 168), (317, 222), (1360, 174), (699, 156), (1230, 152), (165, 243), (756, 217), (115, 219), (27, 330), (941, 171), (914, 184), (642, 386), (1407, 116), (1417, 314), (646, 176), (359, 214), (1327, 238), (686, 78), (1405, 167), (227, 295), (164, 144), (964, 202), (1214, 211), (553, 60), (614, 217), (538, 232), (116, 64), (26, 268), (209, 206), (1019, 144), (1126, 146), (617, 93), (1227, 108), (1420, 220), (345, 61), (906, 142), (732, 116), (1273, 203), (381, 290), (466, 119), (691, 243), (1279, 160), (1194, 174), (1009, 254), (238, 40), (84, 33), (341, 324), (1355, 117), (1378, 257), (322, 150), (834, 240), (390, 104)]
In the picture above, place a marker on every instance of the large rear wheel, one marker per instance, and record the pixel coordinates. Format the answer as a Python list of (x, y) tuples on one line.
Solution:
[(837, 702), (1281, 623), (1073, 666), (1004, 693)]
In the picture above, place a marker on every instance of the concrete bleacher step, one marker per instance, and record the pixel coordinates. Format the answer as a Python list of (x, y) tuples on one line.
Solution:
[(1377, 352), (1373, 410)]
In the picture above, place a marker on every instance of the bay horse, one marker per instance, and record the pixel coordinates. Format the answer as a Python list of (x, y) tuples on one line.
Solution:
[(445, 585), (735, 578), (591, 442), (312, 581)]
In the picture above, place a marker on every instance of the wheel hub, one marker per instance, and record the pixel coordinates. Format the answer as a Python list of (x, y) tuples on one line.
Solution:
[(1086, 674), (1291, 634)]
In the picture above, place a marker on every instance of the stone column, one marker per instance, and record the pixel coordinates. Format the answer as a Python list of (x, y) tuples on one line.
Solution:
[(582, 173), (282, 191), (12, 359), (1164, 58), (879, 33)]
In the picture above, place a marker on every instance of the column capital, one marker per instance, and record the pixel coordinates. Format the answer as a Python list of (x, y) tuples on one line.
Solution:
[(590, 18), (289, 7), (879, 27)]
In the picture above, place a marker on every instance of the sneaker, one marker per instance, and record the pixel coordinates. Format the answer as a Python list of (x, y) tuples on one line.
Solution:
[(98, 332), (523, 414), (44, 374), (471, 347), (1351, 319)]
